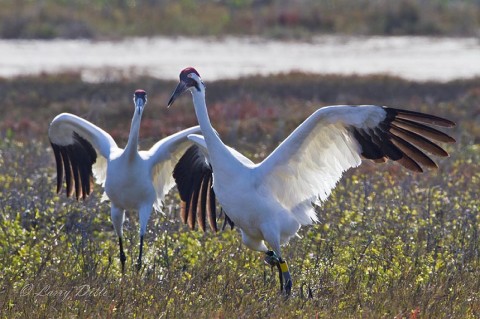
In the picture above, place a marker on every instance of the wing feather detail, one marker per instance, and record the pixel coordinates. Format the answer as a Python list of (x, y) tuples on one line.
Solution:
[(193, 176), (164, 155), (333, 139), (76, 144)]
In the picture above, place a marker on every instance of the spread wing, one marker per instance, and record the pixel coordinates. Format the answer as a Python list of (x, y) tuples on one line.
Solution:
[(307, 165), (194, 178), (76, 143), (163, 156)]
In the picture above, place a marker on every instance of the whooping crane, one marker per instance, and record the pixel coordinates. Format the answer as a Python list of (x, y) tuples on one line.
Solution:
[(133, 180), (271, 200)]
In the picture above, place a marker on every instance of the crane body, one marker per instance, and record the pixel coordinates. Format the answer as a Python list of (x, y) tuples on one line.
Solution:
[(271, 200), (133, 180)]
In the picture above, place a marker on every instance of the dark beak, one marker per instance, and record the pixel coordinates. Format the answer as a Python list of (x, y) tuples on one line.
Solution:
[(139, 104), (181, 88)]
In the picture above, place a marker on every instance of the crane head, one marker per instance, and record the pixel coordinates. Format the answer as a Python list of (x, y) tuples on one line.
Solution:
[(189, 78), (140, 99)]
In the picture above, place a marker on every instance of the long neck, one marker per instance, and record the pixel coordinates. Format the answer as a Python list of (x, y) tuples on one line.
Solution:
[(131, 150), (202, 114), (216, 148)]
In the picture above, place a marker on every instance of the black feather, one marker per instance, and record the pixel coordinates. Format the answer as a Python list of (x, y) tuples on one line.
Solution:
[(74, 162), (394, 138), (193, 176)]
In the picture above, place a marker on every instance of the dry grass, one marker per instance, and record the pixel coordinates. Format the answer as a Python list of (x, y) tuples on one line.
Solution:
[(389, 244)]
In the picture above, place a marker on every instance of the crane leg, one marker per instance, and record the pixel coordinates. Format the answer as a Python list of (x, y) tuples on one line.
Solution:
[(286, 276), (273, 259), (118, 217), (139, 260), (143, 214), (123, 258)]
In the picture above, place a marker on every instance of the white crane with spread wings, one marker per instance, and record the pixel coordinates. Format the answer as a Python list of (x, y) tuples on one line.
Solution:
[(133, 180), (271, 200)]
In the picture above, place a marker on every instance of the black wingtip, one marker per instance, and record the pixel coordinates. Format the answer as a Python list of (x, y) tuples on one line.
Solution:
[(403, 136), (420, 117), (74, 163), (194, 177)]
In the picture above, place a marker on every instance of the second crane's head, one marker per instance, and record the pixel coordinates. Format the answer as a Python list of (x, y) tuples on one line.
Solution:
[(189, 80), (140, 100)]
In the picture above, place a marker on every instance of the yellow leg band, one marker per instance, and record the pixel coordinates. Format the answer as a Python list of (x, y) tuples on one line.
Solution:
[(283, 266)]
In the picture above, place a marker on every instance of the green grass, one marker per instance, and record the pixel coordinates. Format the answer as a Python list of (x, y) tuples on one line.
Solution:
[(389, 243)]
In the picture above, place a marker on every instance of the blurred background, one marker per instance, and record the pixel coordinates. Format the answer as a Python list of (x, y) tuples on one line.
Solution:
[(53, 48), (389, 244), (421, 40), (114, 19)]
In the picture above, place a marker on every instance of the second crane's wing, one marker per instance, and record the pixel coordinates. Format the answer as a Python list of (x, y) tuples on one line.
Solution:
[(75, 143), (162, 158), (194, 177)]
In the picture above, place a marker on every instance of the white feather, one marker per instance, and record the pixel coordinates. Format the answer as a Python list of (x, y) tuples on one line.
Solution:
[(99, 170), (63, 125), (162, 157), (271, 200), (309, 163), (200, 141), (132, 180)]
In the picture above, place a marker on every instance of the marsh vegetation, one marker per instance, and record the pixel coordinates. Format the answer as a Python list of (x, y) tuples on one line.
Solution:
[(99, 19), (389, 243)]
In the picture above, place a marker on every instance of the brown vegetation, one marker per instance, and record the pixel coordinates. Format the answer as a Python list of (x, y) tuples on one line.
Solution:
[(286, 19), (389, 244)]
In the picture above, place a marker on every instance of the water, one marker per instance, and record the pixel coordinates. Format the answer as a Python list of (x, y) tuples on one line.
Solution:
[(416, 58)]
